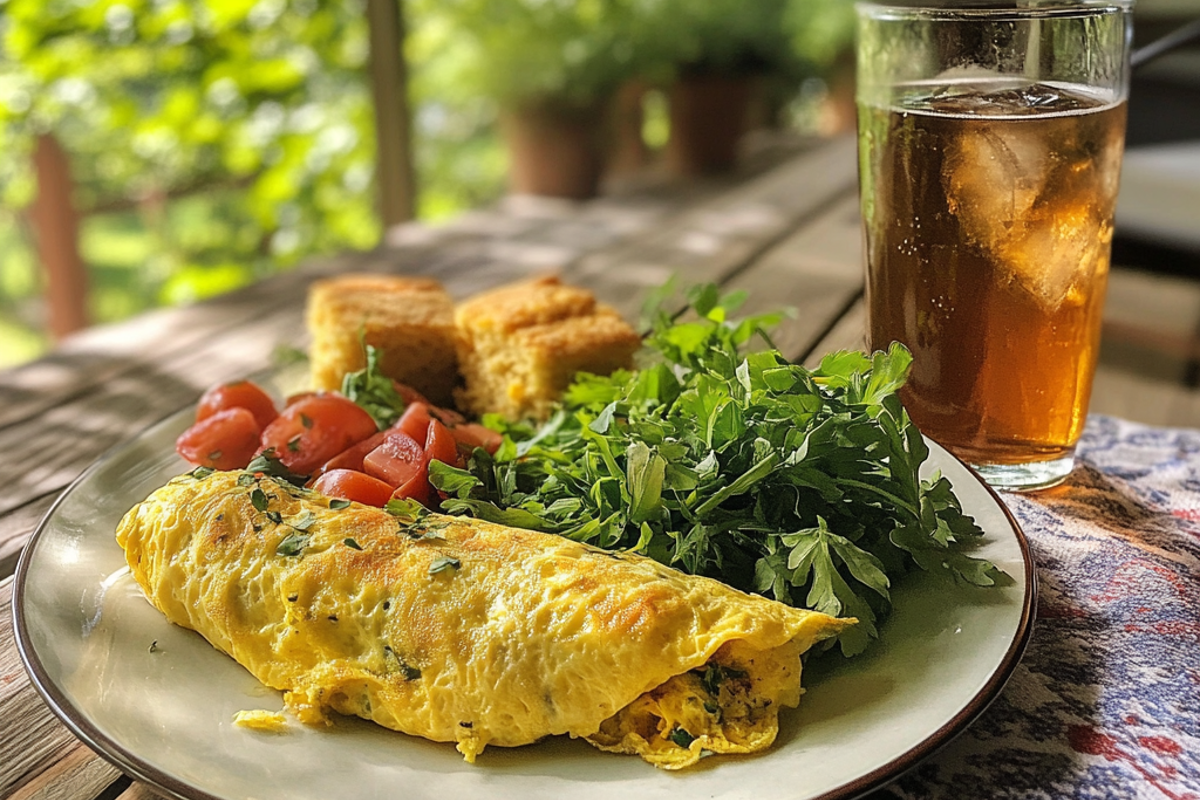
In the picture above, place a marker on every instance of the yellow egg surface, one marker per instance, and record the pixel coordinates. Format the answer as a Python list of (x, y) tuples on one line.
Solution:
[(463, 631)]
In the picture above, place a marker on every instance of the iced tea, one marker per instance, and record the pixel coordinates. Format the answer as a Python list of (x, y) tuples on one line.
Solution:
[(988, 210)]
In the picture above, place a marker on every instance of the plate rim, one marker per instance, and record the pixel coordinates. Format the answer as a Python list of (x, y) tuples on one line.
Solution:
[(134, 766)]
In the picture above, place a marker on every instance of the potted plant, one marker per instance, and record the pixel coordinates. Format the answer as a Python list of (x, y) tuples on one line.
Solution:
[(720, 50), (551, 67), (727, 57)]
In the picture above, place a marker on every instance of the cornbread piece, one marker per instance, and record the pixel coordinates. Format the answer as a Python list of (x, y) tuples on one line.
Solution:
[(520, 345), (410, 320)]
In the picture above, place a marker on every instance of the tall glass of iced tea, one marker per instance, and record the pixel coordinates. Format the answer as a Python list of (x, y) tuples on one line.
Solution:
[(990, 143)]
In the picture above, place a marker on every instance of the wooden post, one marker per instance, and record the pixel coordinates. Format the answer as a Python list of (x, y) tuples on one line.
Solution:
[(56, 224), (389, 79)]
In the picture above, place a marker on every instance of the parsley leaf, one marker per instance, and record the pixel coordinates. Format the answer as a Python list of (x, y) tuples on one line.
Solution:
[(442, 564), (269, 464), (293, 544), (722, 458), (374, 391)]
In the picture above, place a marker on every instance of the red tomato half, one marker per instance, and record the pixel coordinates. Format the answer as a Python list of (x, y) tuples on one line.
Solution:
[(351, 485), (472, 435), (408, 394), (238, 394), (315, 429), (414, 421), (416, 488), (352, 456), (292, 399), (224, 440), (446, 416), (396, 460), (441, 444)]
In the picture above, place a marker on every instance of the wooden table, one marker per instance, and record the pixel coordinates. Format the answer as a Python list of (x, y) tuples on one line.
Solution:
[(785, 229)]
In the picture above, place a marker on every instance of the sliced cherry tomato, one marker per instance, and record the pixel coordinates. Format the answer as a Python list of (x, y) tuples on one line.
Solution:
[(292, 399), (315, 429), (446, 416), (224, 440), (238, 394), (352, 457), (408, 394), (396, 460), (349, 484), (416, 488), (414, 421), (472, 435), (441, 444)]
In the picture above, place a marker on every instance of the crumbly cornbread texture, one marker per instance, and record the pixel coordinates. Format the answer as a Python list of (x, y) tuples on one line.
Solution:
[(520, 345), (410, 320)]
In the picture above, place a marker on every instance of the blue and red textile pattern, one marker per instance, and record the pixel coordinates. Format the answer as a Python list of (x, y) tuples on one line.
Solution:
[(1106, 701)]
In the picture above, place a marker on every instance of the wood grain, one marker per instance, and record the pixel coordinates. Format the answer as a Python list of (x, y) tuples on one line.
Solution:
[(41, 758)]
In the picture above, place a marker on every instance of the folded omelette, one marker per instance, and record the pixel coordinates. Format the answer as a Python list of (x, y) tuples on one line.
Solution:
[(463, 631)]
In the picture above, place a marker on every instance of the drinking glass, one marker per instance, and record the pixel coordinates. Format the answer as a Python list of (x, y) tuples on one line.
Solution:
[(990, 142)]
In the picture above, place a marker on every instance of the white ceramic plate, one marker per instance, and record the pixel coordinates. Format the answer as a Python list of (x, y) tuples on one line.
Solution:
[(158, 701)]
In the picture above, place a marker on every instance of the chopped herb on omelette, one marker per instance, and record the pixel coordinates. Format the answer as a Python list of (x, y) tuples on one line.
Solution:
[(465, 631)]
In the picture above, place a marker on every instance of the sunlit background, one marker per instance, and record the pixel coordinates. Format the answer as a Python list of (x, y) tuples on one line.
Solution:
[(212, 142)]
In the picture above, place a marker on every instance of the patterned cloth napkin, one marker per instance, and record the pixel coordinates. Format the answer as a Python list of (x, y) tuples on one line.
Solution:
[(1106, 701)]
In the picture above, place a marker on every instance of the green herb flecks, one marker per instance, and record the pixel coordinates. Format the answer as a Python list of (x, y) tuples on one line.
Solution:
[(734, 463), (293, 544), (406, 509), (302, 521), (681, 737), (338, 503), (267, 463), (443, 564), (374, 391), (353, 545), (712, 676), (200, 473), (409, 672)]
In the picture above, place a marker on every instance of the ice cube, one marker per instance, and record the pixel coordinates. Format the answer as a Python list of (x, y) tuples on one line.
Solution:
[(992, 175), (994, 179), (1054, 252)]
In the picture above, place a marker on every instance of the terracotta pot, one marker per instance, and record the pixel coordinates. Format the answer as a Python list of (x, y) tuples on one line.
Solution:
[(708, 116), (555, 150), (628, 153)]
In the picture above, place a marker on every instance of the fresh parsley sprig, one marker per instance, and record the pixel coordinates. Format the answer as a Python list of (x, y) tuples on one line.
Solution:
[(799, 484), (374, 391)]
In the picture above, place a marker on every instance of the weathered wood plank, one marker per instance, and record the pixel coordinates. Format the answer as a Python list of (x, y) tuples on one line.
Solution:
[(78, 775), (714, 241), (140, 791), (849, 333), (17, 526), (818, 269), (515, 238), (42, 759)]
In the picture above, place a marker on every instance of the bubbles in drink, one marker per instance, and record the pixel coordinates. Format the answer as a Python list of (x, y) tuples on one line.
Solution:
[(998, 290), (1026, 189)]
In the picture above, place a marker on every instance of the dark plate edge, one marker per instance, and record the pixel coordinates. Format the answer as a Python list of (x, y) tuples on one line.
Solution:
[(892, 770), (140, 770)]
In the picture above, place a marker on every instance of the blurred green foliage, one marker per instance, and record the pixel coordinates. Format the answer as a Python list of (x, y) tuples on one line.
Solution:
[(216, 141)]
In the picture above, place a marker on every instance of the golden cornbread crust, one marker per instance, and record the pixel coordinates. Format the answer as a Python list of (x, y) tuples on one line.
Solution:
[(520, 345), (410, 320)]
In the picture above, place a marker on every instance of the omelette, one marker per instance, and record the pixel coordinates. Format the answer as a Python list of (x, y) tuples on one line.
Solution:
[(463, 631)]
